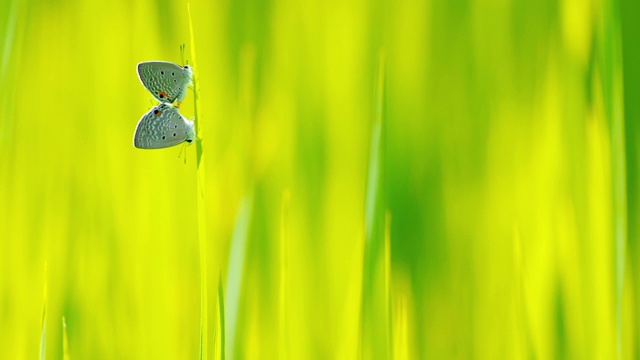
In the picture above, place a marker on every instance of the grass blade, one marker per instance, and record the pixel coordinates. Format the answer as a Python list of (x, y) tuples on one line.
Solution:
[(387, 279), (9, 37), (65, 341), (202, 213), (375, 301), (235, 274), (221, 326), (43, 324), (613, 100), (282, 319)]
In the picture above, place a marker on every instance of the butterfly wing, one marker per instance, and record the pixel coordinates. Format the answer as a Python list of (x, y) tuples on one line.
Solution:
[(166, 81), (163, 126)]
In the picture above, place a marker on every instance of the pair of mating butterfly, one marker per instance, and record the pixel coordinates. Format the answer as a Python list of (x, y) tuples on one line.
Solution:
[(163, 125)]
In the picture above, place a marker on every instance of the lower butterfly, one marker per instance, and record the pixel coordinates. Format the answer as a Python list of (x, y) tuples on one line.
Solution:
[(163, 126)]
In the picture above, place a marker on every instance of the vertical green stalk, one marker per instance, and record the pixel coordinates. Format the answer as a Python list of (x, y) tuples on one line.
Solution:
[(240, 237), (613, 100), (282, 318), (9, 37), (65, 341), (375, 307), (387, 281), (202, 224), (519, 280), (221, 326), (43, 324), (235, 273)]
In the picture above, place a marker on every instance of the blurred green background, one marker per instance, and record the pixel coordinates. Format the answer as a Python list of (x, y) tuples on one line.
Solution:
[(383, 179)]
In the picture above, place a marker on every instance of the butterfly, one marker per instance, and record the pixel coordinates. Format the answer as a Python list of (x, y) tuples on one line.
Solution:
[(167, 82), (161, 127)]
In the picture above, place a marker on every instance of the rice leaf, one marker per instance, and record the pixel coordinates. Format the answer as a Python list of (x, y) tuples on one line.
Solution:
[(375, 300), (202, 217)]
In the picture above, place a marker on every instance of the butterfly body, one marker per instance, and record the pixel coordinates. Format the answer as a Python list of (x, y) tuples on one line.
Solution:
[(163, 126)]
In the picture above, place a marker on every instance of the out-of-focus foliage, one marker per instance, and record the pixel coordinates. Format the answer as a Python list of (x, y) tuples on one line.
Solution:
[(416, 179)]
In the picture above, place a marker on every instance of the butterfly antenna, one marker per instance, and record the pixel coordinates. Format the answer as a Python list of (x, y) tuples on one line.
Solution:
[(182, 53)]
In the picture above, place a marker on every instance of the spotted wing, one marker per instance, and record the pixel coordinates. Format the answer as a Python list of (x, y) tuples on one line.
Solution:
[(166, 81), (163, 126)]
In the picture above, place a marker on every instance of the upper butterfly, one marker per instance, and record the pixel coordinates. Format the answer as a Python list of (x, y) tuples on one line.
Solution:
[(166, 81), (161, 127)]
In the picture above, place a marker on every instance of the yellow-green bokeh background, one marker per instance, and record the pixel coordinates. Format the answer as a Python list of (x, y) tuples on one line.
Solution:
[(508, 171)]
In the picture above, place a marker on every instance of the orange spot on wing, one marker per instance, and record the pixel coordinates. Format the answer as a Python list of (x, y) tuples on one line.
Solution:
[(163, 95)]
